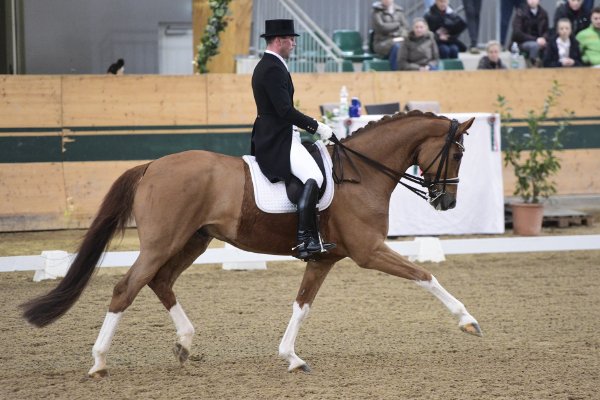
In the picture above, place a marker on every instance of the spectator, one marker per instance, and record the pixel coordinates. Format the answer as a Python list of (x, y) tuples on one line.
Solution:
[(587, 4), (472, 12), (506, 11), (117, 68), (389, 29), (530, 28), (492, 59), (419, 51), (563, 49), (589, 40), (573, 10), (446, 25)]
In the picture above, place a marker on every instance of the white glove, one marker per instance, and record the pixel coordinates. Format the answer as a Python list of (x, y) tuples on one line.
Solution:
[(324, 131)]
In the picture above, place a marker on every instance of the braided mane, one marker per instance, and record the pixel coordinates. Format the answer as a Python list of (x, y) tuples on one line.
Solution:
[(389, 118)]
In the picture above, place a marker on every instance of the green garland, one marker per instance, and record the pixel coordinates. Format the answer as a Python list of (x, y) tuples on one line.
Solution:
[(209, 43)]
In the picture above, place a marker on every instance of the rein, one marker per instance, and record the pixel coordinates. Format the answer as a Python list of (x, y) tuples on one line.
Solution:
[(396, 176)]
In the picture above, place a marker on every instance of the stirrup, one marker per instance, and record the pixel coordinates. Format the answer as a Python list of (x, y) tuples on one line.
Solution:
[(306, 253)]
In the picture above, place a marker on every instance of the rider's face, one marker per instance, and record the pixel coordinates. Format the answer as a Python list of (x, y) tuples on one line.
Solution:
[(286, 45)]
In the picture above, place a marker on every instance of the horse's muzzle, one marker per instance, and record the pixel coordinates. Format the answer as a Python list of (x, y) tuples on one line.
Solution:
[(444, 201)]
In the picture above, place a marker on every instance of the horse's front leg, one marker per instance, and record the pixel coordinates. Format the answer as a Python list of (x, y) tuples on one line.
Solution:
[(386, 260), (314, 275)]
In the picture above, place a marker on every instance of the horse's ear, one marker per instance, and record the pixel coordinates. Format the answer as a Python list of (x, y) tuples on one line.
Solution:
[(466, 125)]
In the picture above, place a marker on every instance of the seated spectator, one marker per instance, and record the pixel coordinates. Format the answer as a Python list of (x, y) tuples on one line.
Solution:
[(589, 40), (573, 10), (419, 51), (563, 49), (389, 28), (492, 59), (447, 26), (530, 28)]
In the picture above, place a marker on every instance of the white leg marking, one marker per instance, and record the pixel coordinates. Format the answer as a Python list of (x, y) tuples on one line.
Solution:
[(100, 349), (286, 347), (185, 329), (456, 307)]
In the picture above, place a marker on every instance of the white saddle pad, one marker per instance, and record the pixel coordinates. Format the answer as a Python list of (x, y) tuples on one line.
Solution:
[(272, 197)]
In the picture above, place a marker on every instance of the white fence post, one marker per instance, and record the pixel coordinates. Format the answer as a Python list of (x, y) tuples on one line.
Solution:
[(56, 265)]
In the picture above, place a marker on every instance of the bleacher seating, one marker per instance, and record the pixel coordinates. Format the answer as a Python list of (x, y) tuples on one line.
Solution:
[(376, 64), (451, 64), (350, 42)]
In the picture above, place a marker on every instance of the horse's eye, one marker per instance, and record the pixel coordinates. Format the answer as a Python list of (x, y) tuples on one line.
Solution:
[(457, 156)]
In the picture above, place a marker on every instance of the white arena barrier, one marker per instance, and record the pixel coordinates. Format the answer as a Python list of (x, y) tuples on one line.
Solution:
[(54, 264)]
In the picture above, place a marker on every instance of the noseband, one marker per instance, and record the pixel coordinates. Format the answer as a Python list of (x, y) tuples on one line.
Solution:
[(443, 154), (434, 194)]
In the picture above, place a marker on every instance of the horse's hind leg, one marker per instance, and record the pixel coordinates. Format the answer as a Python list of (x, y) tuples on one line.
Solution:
[(162, 285), (314, 275), (141, 272), (386, 260)]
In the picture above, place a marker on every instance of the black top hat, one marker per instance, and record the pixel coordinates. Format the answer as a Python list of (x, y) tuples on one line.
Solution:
[(279, 27)]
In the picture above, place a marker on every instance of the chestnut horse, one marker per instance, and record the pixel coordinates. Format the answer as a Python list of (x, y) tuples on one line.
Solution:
[(182, 201)]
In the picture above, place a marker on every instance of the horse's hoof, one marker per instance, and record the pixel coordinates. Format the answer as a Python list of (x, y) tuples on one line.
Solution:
[(472, 328), (301, 368), (181, 353), (97, 375)]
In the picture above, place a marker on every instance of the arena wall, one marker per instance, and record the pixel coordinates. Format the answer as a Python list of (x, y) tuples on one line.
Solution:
[(64, 139)]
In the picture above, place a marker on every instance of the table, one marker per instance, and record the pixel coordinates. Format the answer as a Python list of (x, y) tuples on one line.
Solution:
[(480, 199)]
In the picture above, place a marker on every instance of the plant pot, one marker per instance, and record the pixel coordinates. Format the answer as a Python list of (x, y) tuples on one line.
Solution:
[(527, 218)]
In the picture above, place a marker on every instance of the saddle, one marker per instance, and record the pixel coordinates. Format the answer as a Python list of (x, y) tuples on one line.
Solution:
[(281, 198)]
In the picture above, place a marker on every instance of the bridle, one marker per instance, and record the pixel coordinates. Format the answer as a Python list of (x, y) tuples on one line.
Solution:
[(396, 176)]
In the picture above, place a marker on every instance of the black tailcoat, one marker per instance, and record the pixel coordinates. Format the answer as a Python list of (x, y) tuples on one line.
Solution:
[(272, 132)]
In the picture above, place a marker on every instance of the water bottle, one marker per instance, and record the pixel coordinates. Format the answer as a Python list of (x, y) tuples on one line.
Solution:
[(355, 108), (514, 56), (344, 102)]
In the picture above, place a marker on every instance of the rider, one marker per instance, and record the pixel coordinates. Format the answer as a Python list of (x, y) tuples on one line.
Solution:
[(275, 140)]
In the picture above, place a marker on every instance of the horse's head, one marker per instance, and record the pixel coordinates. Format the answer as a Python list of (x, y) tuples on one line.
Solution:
[(439, 158)]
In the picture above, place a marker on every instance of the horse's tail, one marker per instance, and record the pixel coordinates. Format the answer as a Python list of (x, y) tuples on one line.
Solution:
[(113, 216)]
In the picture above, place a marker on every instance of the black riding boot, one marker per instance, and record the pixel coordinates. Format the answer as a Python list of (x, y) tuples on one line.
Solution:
[(309, 239)]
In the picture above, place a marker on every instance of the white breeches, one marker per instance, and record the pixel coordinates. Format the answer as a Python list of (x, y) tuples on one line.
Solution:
[(303, 166)]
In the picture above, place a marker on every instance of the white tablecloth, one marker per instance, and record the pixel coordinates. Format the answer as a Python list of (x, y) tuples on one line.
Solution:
[(480, 200)]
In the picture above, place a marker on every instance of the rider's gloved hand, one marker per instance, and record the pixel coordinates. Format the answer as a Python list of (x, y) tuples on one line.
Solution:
[(324, 131)]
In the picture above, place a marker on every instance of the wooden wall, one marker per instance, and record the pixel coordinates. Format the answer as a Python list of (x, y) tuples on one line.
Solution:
[(56, 101), (55, 195)]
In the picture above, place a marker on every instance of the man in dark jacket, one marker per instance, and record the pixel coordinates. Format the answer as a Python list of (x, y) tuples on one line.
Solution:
[(574, 11), (275, 142), (530, 30), (447, 26)]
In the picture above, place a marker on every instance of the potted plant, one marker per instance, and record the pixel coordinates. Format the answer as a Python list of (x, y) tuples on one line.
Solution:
[(532, 154)]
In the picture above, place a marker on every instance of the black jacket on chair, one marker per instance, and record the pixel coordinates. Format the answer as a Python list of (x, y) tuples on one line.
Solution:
[(272, 132)]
